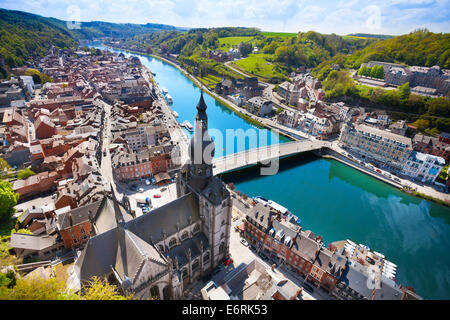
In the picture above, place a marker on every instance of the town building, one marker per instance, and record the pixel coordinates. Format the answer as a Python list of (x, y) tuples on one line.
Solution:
[(254, 281), (259, 106), (378, 146), (423, 167)]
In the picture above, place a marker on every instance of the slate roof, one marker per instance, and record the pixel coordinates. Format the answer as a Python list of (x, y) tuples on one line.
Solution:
[(166, 218), (124, 248), (31, 242), (79, 215)]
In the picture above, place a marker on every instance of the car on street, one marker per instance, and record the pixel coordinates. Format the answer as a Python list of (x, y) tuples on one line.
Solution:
[(163, 189), (147, 182), (133, 188), (228, 261), (244, 242), (156, 195), (141, 189)]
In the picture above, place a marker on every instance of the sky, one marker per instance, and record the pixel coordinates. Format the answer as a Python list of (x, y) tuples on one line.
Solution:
[(329, 16)]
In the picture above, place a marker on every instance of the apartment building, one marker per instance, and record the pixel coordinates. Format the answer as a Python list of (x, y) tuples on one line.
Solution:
[(379, 146)]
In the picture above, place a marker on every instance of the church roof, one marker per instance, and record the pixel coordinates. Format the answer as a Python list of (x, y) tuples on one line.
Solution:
[(125, 248)]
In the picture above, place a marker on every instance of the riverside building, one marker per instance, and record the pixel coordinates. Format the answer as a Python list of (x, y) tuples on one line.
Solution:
[(378, 146)]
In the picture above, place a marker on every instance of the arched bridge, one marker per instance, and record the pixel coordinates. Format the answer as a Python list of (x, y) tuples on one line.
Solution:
[(264, 154)]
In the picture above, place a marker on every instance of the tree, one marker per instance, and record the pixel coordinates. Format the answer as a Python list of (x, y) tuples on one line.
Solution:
[(246, 48), (363, 71), (99, 289), (379, 72), (404, 91), (37, 289), (439, 107), (8, 199), (4, 166), (421, 124), (25, 173), (149, 50)]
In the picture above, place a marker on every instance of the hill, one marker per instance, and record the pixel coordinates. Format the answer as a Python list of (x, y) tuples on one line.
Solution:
[(419, 48), (24, 35), (369, 35)]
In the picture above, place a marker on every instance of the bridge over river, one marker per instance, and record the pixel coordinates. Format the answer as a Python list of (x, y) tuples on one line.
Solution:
[(265, 154)]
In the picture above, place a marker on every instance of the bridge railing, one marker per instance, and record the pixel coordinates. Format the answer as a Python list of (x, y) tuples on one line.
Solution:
[(259, 149)]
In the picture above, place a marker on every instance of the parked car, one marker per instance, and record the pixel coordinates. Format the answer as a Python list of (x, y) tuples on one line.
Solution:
[(244, 242), (157, 195), (163, 189), (228, 261), (147, 182)]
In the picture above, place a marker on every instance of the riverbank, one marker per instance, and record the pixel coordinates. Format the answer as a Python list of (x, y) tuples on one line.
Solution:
[(237, 110), (224, 101), (331, 153)]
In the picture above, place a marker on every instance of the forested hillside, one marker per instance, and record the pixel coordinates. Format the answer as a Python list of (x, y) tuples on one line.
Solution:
[(419, 48), (24, 35)]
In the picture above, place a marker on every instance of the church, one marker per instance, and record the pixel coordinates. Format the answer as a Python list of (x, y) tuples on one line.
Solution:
[(159, 254)]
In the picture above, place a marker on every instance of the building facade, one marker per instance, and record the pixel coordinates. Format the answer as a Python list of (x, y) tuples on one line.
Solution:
[(372, 144)]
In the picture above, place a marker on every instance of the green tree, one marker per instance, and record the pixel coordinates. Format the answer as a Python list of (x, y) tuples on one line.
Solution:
[(421, 124), (25, 173), (404, 91), (246, 48), (439, 107), (379, 72), (99, 289), (4, 166), (363, 71), (37, 289), (8, 199)]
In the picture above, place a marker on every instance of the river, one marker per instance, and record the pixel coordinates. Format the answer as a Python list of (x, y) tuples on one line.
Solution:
[(334, 200)]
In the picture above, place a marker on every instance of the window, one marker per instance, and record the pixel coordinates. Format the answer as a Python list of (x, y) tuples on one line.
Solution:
[(161, 248), (196, 228), (184, 236), (206, 257), (172, 242), (195, 265)]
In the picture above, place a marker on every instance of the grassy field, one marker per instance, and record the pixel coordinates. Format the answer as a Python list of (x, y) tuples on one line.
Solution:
[(210, 81), (353, 37), (258, 65), (279, 34), (227, 42)]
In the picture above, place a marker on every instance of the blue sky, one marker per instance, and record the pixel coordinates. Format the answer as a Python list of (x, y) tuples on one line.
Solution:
[(339, 16)]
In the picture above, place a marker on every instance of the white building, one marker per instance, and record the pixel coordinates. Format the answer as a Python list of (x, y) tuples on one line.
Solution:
[(423, 167)]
